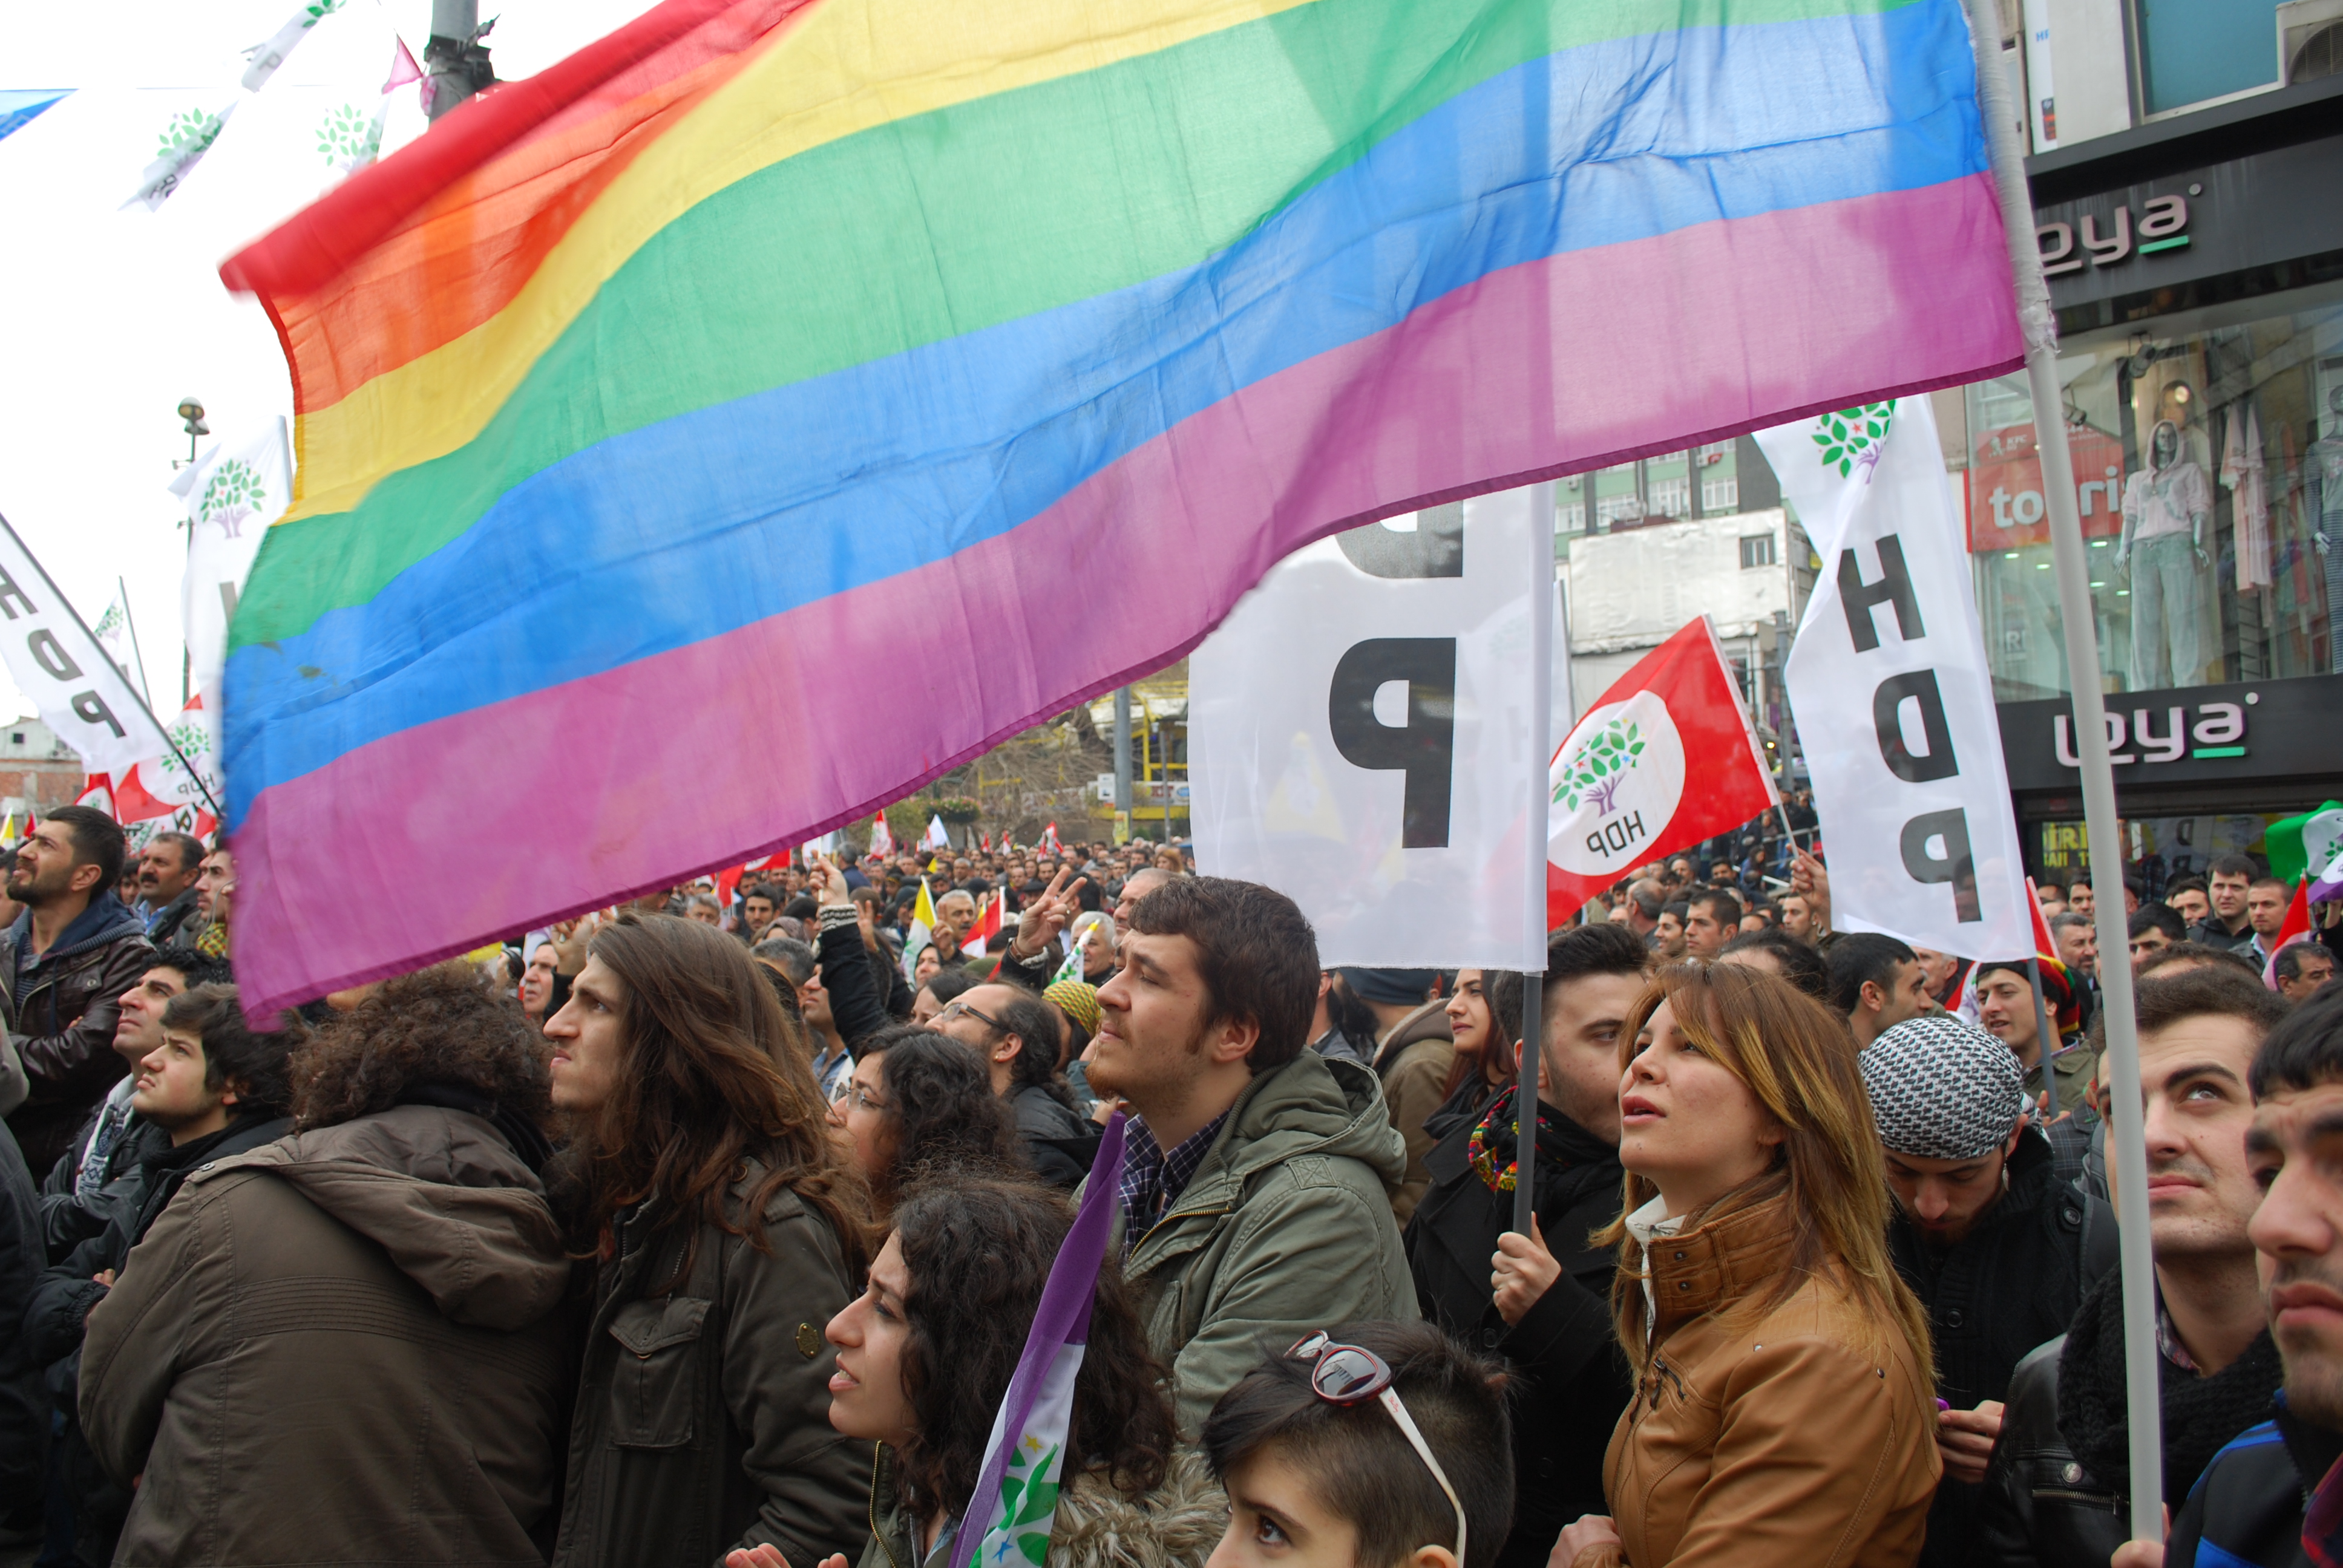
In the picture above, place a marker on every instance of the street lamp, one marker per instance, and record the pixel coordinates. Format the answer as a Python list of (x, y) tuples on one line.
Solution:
[(191, 409)]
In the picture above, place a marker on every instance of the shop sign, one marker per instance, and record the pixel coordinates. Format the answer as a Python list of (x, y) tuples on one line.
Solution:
[(2005, 506), (2109, 241), (2204, 734)]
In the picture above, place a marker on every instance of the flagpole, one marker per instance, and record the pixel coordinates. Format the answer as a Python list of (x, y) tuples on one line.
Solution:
[(131, 622), (1541, 750), (2130, 1142), (2044, 1040), (99, 648)]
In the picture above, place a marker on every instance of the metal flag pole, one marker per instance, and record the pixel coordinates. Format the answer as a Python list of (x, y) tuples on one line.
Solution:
[(131, 622), (1541, 750), (2045, 1042), (2129, 1140), (97, 650)]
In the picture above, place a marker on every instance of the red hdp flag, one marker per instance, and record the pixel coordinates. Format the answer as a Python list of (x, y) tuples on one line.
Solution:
[(988, 926), (2296, 928), (1666, 759), (727, 881)]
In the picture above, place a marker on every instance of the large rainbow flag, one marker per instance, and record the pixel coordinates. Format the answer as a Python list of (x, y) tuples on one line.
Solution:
[(779, 401)]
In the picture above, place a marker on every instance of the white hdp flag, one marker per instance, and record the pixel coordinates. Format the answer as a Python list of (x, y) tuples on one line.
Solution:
[(232, 494), (113, 634), (1893, 698), (1359, 735), (63, 671)]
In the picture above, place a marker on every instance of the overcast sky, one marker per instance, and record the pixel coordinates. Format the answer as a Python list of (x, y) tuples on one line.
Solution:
[(108, 319)]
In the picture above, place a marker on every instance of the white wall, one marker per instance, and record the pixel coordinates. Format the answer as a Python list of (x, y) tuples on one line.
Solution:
[(2090, 79)]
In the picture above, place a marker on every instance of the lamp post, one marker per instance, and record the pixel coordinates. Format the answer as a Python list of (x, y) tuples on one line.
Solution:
[(191, 411)]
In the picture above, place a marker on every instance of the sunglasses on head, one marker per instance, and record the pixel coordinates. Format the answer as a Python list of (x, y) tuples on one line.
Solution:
[(1346, 1375)]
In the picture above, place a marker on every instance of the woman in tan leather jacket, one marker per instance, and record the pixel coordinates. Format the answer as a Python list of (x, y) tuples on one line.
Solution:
[(1783, 1414)]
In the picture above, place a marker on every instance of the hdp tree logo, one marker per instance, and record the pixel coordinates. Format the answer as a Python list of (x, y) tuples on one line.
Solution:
[(349, 139), (1600, 764), (234, 494), (190, 132), (1851, 437), (1616, 787)]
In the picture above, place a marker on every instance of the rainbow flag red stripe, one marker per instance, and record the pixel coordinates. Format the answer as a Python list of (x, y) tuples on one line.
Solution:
[(783, 400)]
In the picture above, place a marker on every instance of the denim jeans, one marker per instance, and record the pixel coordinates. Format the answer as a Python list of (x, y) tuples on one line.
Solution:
[(2164, 632)]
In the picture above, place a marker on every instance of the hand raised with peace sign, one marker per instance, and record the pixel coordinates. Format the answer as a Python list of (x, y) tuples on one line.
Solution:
[(1049, 914)]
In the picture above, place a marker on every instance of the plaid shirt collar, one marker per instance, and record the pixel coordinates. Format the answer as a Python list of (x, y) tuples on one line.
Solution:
[(1153, 1180)]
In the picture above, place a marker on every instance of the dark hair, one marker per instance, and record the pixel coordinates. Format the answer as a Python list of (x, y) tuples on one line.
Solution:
[(1255, 953), (2068, 921), (2051, 885), (2157, 918), (1681, 909), (195, 966), (235, 1053), (98, 841), (1366, 1471), (1861, 957), (946, 984), (2304, 1050), (2287, 963), (1801, 965), (1575, 952), (2232, 866), (2195, 953), (978, 1250), (1347, 1011), (1723, 907), (436, 1026), (2184, 885), (941, 1101), (1036, 1025), (2198, 993), (190, 848), (763, 890), (2267, 881), (707, 1083), (788, 954), (804, 906)]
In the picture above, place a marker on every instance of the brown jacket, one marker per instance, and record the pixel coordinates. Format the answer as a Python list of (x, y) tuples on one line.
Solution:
[(1803, 1438), (1413, 1061), (340, 1348)]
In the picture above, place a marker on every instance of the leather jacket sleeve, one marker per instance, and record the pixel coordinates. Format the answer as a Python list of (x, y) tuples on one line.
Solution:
[(76, 1059)]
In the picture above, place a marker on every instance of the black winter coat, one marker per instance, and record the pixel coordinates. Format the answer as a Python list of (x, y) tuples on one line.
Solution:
[(2011, 1283), (68, 1219), (63, 1023), (1571, 1379), (24, 1413)]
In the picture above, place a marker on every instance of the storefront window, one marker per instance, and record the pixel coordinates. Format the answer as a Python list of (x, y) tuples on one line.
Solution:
[(2158, 851), (2210, 467)]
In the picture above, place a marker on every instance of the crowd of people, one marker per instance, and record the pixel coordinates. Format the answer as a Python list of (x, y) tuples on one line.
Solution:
[(710, 1228)]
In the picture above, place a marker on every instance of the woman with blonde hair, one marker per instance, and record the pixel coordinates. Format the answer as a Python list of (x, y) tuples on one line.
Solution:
[(1783, 1411)]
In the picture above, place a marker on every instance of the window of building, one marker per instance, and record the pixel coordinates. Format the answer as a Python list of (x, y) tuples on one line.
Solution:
[(2209, 467), (2193, 50), (1757, 550)]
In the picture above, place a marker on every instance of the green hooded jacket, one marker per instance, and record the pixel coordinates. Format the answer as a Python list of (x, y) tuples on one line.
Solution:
[(1286, 1228)]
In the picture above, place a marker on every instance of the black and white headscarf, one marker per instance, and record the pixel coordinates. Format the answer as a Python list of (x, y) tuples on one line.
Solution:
[(1942, 1089)]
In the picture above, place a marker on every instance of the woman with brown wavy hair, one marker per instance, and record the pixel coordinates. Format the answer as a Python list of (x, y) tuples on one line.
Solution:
[(725, 1231), (1783, 1414)]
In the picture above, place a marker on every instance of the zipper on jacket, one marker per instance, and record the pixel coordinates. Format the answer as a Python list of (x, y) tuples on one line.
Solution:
[(876, 1459)]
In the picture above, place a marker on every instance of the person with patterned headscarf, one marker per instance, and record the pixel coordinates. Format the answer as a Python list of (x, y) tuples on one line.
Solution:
[(1998, 1250)]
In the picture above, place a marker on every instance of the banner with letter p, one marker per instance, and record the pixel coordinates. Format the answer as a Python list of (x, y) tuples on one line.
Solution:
[(1359, 735), (1889, 684)]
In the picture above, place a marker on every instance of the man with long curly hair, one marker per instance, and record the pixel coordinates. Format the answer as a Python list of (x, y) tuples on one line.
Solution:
[(342, 1346)]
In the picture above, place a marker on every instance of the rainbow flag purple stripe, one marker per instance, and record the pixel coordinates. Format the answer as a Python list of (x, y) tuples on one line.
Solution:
[(769, 408)]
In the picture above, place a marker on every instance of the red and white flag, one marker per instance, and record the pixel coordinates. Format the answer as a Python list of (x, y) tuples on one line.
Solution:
[(1050, 845), (1666, 759), (973, 940), (2294, 929), (727, 881), (883, 841), (98, 789)]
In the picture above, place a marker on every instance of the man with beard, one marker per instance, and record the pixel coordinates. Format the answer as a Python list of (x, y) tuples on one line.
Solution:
[(1543, 1302), (167, 869), (2274, 1496), (2058, 1487), (74, 950), (1997, 1248)]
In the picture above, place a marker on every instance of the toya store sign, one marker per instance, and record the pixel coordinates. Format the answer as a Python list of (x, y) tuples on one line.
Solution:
[(2202, 734)]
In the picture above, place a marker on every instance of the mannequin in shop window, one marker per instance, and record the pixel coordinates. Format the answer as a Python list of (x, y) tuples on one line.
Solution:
[(2166, 507), (2326, 496)]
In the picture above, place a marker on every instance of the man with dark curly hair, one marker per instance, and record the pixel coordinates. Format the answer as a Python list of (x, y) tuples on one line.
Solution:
[(342, 1347)]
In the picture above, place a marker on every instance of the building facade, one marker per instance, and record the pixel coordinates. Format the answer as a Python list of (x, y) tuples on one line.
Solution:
[(2188, 179)]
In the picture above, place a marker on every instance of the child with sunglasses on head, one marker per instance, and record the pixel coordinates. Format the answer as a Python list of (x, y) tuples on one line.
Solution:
[(1373, 1445)]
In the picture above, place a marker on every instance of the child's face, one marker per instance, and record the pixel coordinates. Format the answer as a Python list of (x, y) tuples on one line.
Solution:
[(1276, 1518)]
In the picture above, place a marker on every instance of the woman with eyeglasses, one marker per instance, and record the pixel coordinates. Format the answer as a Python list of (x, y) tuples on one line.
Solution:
[(1784, 1411), (922, 1358), (917, 1098)]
